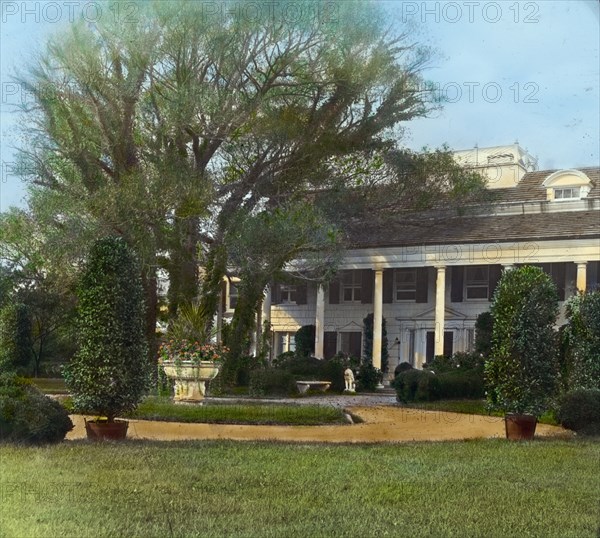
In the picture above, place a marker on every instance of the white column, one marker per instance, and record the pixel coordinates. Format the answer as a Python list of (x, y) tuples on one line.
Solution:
[(440, 306), (377, 318), (581, 276), (266, 307), (320, 324)]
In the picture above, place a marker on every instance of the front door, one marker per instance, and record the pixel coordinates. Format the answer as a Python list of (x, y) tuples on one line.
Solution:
[(430, 349)]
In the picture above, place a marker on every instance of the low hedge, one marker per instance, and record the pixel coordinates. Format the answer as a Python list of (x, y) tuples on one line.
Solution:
[(462, 384), (579, 411), (425, 386), (28, 416), (272, 381)]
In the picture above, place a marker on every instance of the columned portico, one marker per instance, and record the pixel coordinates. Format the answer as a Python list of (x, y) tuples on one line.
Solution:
[(320, 324), (378, 318), (581, 276), (440, 305)]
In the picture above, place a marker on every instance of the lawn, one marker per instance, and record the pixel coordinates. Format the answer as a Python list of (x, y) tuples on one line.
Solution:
[(49, 385), (204, 489), (154, 408)]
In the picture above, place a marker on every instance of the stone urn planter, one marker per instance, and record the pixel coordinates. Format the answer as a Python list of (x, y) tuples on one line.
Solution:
[(190, 378)]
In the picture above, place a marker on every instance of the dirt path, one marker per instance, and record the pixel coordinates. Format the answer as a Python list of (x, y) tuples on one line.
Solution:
[(382, 424)]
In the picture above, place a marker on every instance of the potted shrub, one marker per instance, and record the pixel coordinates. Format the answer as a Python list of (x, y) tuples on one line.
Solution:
[(521, 370), (110, 372)]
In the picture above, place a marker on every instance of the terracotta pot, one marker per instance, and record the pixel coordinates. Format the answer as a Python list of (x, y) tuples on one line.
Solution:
[(520, 427), (98, 431)]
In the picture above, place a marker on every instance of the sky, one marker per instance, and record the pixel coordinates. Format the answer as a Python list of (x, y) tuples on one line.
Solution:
[(508, 70)]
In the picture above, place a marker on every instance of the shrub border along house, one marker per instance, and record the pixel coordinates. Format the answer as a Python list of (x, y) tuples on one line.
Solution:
[(521, 370), (110, 373)]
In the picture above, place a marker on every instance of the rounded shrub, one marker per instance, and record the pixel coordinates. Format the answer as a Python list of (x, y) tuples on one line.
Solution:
[(459, 384), (28, 416), (521, 371), (110, 372), (272, 382), (402, 367), (416, 386), (579, 411), (305, 367)]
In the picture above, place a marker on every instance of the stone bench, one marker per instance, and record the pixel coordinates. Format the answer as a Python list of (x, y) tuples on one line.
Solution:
[(321, 386)]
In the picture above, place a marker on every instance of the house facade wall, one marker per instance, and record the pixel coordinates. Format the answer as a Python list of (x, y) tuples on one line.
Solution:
[(409, 322)]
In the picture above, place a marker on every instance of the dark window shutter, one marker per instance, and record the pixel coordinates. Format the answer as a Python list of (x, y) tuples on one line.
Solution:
[(276, 293), (301, 292), (592, 275), (334, 292), (559, 276), (355, 345), (388, 285), (495, 271), (456, 286), (330, 344), (422, 284), (448, 343), (429, 346), (366, 292)]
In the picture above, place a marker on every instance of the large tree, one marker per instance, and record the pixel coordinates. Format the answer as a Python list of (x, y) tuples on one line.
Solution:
[(173, 127)]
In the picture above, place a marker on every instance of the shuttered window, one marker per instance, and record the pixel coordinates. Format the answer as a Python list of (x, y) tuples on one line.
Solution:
[(405, 281), (477, 282), (351, 286)]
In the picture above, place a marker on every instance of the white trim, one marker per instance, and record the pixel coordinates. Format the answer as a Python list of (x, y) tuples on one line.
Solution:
[(585, 180)]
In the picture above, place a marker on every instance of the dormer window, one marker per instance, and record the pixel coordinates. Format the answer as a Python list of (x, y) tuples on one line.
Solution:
[(567, 185), (567, 193)]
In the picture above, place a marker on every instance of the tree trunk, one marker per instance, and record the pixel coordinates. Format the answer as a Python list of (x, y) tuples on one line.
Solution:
[(183, 270), (149, 282), (215, 271)]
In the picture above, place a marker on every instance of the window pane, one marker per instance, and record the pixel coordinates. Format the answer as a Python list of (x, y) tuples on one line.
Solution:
[(477, 274), (406, 276), (406, 295), (347, 294), (347, 277), (357, 294), (292, 342), (477, 292)]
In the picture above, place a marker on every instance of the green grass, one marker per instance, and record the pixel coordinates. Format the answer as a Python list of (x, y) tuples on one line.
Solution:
[(49, 385), (154, 408), (490, 488), (473, 407)]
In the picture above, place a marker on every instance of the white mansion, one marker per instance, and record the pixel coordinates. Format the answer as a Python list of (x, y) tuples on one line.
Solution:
[(429, 278)]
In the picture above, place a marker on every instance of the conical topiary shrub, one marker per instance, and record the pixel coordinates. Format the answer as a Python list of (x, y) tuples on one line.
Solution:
[(110, 373), (521, 371)]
